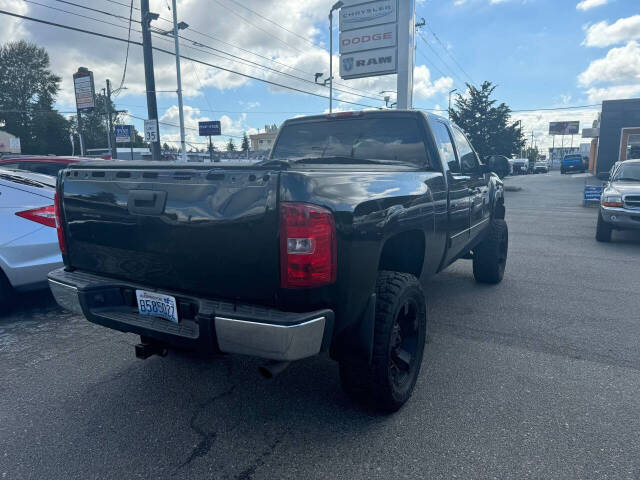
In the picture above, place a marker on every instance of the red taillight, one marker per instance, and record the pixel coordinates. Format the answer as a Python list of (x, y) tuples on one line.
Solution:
[(308, 256), (58, 209), (43, 215)]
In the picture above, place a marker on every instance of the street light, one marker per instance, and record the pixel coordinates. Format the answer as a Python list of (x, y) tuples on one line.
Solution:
[(336, 6), (449, 111)]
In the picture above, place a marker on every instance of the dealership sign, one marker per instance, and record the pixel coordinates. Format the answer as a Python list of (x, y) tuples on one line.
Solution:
[(368, 14), (564, 128), (369, 39), (372, 62), (382, 36), (124, 133), (84, 89)]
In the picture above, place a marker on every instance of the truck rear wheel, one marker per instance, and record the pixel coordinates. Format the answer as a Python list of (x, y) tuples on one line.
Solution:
[(490, 256), (603, 230), (399, 337)]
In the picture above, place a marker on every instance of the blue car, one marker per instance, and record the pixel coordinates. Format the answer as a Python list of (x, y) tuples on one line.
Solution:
[(572, 163)]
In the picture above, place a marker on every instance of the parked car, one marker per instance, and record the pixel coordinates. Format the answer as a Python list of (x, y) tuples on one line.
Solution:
[(620, 202), (48, 165), (520, 166), (28, 240), (325, 246), (541, 166), (572, 163)]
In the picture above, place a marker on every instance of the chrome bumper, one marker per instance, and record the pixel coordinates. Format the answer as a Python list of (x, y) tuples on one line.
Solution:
[(276, 342), (66, 296), (290, 337), (623, 218)]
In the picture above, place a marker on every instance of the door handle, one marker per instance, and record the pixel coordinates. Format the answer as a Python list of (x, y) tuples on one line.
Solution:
[(146, 202)]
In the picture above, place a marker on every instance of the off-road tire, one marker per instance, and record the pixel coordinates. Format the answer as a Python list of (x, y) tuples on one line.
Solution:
[(396, 293), (603, 230), (490, 256), (6, 295)]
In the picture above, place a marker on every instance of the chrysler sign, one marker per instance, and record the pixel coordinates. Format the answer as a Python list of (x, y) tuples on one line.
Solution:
[(382, 36), (382, 61), (368, 14)]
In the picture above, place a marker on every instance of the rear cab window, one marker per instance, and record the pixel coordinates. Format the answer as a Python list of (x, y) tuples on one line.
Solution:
[(395, 139)]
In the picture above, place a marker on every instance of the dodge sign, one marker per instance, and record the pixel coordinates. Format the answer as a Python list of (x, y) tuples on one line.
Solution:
[(382, 61), (382, 36)]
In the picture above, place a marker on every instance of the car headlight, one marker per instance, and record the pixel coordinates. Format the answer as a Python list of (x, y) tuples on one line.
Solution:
[(611, 198)]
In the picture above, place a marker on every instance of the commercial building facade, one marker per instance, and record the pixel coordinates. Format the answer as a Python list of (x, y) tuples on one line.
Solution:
[(619, 133)]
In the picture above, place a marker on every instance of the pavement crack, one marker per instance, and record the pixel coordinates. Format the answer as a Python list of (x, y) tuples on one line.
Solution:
[(207, 439), (249, 472)]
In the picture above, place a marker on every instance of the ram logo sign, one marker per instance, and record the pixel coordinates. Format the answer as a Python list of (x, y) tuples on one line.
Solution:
[(382, 61)]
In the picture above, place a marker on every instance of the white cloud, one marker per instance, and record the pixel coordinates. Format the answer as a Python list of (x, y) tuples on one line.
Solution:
[(615, 92), (538, 122), (603, 34), (620, 65), (424, 88), (589, 4)]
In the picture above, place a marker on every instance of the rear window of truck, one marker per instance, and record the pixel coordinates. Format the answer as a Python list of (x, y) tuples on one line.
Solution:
[(397, 139)]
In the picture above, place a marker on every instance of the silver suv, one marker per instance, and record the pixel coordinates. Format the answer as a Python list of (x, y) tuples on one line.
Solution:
[(620, 201)]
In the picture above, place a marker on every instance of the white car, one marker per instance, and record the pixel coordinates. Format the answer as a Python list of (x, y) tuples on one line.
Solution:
[(29, 247)]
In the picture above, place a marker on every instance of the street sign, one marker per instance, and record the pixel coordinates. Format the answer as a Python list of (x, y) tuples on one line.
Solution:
[(84, 89), (381, 36), (382, 61), (212, 128), (151, 130), (123, 133), (368, 14), (564, 128)]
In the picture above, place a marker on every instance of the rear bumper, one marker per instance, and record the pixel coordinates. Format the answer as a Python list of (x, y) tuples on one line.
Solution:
[(205, 325), (573, 168), (621, 218)]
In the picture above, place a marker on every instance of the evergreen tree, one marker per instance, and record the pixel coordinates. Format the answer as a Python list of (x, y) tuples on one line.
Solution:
[(487, 125), (245, 142), (231, 146)]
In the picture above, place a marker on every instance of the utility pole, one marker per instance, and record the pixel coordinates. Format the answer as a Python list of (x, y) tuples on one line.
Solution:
[(180, 106), (150, 81), (112, 146), (335, 6)]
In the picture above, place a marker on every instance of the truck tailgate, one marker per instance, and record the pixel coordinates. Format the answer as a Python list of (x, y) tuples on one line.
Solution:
[(202, 230)]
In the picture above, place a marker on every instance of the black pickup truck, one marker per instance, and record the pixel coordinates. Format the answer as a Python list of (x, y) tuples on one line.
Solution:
[(323, 247)]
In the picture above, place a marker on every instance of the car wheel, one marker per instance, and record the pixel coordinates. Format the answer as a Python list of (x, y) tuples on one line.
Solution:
[(399, 337), (6, 295), (490, 256), (603, 230)]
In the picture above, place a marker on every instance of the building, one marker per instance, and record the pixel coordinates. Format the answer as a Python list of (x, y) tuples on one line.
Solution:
[(264, 141), (557, 153), (616, 134), (9, 143)]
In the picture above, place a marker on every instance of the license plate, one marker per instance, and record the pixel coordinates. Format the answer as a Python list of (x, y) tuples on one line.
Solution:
[(157, 305)]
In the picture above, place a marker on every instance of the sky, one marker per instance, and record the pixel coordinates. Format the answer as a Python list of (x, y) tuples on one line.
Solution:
[(541, 54)]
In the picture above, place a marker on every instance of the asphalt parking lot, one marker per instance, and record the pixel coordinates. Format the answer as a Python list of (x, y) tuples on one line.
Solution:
[(538, 377)]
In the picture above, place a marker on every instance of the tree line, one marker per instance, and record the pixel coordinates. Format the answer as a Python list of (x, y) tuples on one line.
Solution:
[(28, 89)]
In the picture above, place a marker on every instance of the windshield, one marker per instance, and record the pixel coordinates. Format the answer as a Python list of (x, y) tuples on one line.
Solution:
[(396, 139), (573, 157), (628, 173)]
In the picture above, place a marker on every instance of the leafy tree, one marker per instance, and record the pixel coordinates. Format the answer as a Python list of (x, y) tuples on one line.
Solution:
[(245, 142), (231, 147), (487, 125), (27, 93)]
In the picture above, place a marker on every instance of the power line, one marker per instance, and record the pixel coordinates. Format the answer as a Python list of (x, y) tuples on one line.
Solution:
[(446, 50), (274, 23), (284, 42), (111, 37), (441, 59), (74, 13), (431, 64), (557, 108), (126, 58), (131, 7)]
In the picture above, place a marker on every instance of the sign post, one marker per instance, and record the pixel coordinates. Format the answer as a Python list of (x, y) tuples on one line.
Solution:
[(85, 97), (209, 129)]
